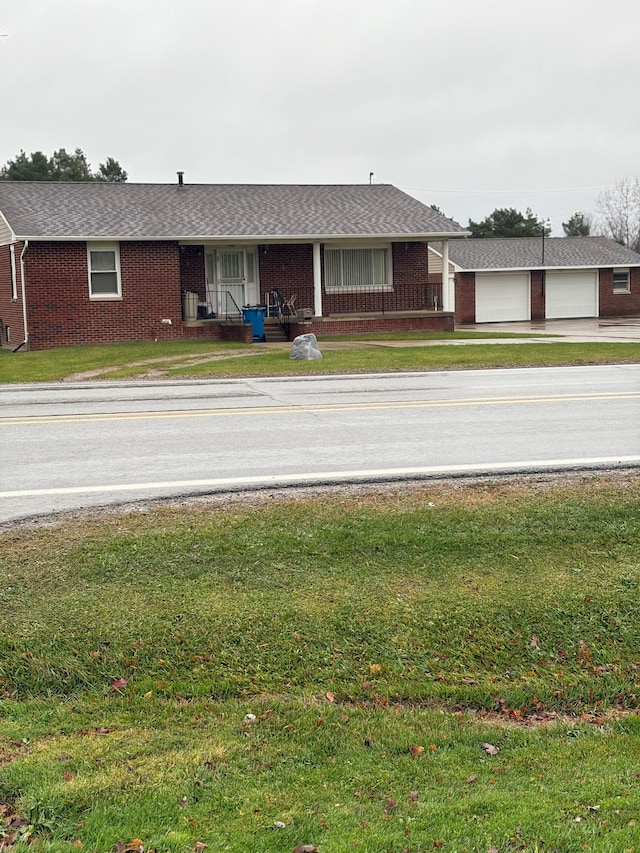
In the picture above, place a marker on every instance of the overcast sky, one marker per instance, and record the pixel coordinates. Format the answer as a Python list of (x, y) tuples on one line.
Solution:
[(468, 104)]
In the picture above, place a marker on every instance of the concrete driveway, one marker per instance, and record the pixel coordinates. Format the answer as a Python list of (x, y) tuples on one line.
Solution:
[(614, 329)]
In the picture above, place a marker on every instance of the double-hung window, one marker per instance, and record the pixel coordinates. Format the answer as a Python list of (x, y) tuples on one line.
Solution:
[(104, 271), (621, 281), (367, 268)]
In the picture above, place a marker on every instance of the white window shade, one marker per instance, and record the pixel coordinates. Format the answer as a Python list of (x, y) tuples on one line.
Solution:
[(357, 268)]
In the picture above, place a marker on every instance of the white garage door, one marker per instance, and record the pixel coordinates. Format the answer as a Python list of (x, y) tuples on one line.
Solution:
[(502, 296), (571, 294)]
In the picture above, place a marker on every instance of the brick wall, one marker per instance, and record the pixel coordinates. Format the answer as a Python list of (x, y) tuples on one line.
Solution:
[(412, 290), (325, 328), (289, 270), (11, 317), (537, 294), (60, 312), (619, 304), (465, 297), (192, 270)]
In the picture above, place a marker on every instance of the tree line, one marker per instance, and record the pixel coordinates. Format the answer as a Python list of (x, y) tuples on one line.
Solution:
[(61, 166), (618, 218)]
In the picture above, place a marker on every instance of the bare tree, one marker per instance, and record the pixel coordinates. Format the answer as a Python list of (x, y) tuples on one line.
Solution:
[(619, 209)]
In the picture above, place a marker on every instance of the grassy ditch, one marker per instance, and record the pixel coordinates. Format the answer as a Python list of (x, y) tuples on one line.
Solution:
[(446, 667), (179, 359)]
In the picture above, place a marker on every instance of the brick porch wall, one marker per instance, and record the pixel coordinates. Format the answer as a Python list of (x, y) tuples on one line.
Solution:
[(436, 321), (60, 312), (192, 271), (289, 270), (11, 318)]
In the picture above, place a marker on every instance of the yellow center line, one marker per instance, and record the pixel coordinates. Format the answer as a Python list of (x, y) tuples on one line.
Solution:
[(311, 409)]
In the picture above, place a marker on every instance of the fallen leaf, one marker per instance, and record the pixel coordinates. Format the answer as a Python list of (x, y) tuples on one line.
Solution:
[(330, 697), (68, 777), (490, 749), (416, 750), (390, 805), (533, 644), (199, 846), (473, 778), (120, 683), (375, 668), (413, 796), (586, 652), (305, 848)]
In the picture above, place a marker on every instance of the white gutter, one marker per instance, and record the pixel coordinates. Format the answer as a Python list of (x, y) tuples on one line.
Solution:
[(247, 238), (24, 296)]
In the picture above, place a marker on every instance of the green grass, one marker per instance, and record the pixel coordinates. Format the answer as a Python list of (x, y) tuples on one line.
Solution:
[(120, 361), (379, 638), (54, 364), (384, 359)]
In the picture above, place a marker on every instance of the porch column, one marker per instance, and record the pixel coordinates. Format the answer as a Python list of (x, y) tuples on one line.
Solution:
[(448, 288), (317, 281)]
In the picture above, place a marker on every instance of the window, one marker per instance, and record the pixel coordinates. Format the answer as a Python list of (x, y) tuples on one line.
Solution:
[(621, 281), (104, 271), (357, 268)]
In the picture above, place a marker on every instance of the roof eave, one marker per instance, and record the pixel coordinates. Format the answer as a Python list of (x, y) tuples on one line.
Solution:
[(547, 267), (245, 238)]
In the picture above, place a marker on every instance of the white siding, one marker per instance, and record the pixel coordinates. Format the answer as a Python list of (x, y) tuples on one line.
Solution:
[(435, 263), (6, 235)]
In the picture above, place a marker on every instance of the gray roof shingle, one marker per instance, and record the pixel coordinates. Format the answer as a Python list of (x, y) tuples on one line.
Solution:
[(138, 211), (490, 253)]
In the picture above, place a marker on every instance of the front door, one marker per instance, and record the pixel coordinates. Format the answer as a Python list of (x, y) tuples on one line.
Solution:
[(231, 280)]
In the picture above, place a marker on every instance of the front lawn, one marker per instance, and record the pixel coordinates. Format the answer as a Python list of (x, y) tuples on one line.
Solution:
[(450, 666), (201, 360)]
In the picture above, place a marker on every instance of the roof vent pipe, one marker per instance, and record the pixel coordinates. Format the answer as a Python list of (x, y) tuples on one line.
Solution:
[(180, 179)]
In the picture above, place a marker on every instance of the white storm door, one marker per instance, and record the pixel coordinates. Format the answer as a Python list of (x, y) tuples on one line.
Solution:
[(231, 280)]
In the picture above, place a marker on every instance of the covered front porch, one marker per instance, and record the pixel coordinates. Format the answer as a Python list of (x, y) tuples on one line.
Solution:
[(342, 287)]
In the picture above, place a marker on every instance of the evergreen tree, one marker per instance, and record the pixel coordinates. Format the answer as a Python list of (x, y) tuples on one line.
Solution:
[(61, 166)]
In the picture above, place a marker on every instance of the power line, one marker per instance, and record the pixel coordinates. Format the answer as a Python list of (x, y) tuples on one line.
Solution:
[(507, 192)]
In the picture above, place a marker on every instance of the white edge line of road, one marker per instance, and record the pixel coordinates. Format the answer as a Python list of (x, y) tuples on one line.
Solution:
[(322, 477)]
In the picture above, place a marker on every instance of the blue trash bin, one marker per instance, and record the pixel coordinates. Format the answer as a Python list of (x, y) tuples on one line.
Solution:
[(254, 316)]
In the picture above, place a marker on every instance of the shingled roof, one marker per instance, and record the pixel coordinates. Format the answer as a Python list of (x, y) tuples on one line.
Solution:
[(500, 253), (80, 211)]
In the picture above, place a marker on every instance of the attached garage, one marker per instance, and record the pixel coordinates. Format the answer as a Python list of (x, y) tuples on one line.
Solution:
[(571, 294), (502, 296)]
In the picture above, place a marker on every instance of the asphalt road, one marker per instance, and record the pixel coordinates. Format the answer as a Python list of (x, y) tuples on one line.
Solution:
[(70, 446)]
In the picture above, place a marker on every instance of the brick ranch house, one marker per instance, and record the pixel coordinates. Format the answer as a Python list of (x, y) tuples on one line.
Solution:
[(527, 278), (85, 263)]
